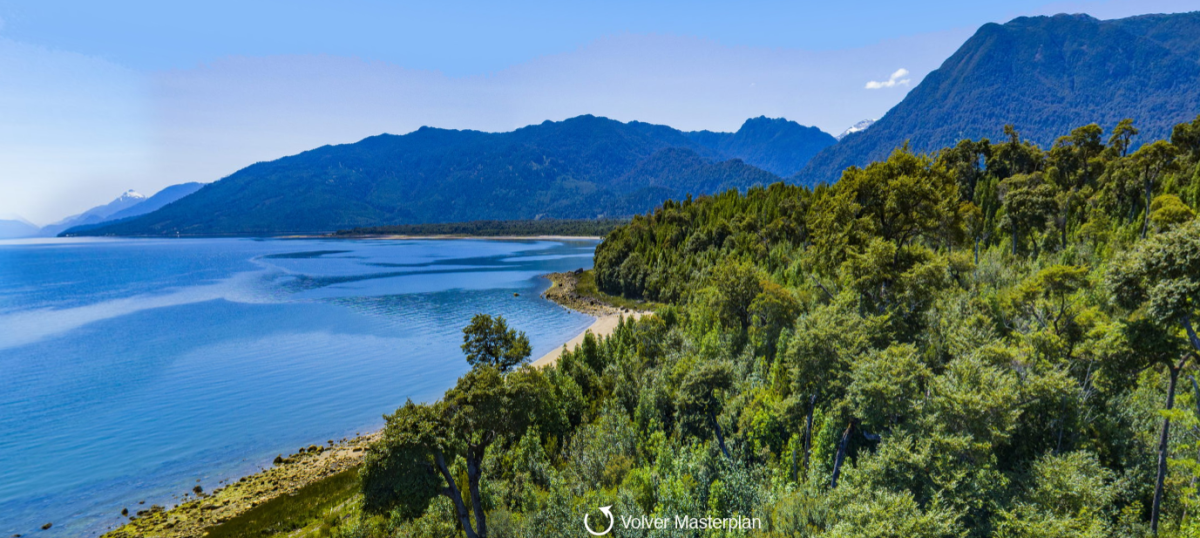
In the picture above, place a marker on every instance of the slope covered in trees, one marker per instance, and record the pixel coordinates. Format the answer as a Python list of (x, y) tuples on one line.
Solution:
[(1044, 75), (776, 145), (995, 340), (581, 168)]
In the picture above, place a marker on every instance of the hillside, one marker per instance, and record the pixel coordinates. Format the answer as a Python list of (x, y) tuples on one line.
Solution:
[(1044, 75), (16, 228), (891, 356), (584, 167), (126, 201), (776, 145), (147, 205)]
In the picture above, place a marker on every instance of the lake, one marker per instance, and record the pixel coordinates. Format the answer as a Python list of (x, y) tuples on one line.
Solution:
[(131, 368)]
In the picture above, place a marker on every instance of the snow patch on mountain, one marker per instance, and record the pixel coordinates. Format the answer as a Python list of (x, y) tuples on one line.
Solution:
[(860, 126)]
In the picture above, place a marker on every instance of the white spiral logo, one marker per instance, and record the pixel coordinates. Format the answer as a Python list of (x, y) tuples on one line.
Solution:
[(607, 512)]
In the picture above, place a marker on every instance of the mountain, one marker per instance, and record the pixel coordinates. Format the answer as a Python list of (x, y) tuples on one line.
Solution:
[(16, 228), (776, 145), (147, 205), (860, 126), (156, 202), (1045, 76), (95, 215), (583, 167)]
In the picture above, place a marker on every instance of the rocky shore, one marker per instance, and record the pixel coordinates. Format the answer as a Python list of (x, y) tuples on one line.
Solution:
[(564, 291), (201, 510)]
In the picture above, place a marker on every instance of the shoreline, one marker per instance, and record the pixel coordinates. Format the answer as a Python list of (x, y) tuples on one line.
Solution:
[(483, 237), (603, 326), (196, 514), (562, 291), (201, 510)]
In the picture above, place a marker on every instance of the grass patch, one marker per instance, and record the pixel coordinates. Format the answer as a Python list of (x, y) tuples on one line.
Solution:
[(318, 505), (586, 286)]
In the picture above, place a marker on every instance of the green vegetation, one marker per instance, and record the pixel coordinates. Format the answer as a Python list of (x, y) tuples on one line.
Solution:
[(1046, 75), (586, 286), (318, 508), (580, 168), (489, 341), (494, 228), (974, 343)]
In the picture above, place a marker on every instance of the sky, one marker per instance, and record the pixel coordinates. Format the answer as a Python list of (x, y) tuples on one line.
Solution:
[(100, 97)]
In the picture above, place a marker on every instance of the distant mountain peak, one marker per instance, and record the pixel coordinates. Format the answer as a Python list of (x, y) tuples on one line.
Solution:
[(16, 217), (860, 126), (131, 195)]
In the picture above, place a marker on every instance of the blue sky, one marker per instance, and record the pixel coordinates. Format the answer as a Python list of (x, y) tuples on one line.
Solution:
[(100, 97)]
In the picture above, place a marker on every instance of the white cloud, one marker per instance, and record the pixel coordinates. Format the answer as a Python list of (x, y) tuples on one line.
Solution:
[(897, 79)]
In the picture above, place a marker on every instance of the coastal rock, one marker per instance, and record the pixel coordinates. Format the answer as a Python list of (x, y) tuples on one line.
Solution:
[(196, 515), (47, 526)]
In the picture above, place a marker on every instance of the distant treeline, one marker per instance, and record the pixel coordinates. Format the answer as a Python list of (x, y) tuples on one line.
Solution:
[(493, 228)]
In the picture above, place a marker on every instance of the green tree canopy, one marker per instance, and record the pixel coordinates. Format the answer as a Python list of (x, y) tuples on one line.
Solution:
[(488, 340)]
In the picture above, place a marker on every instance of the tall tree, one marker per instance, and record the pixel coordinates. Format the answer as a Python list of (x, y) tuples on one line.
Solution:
[(413, 462), (1122, 137), (1153, 160), (1027, 202), (1161, 280)]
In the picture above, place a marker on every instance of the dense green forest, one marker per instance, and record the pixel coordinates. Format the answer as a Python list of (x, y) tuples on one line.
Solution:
[(493, 228), (1044, 75), (585, 167), (993, 340)]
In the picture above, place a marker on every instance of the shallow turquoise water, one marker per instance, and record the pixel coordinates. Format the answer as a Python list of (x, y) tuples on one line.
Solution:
[(130, 369)]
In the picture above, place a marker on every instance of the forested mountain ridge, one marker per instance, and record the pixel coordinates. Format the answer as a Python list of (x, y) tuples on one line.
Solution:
[(993, 341), (1044, 75), (776, 145), (583, 167)]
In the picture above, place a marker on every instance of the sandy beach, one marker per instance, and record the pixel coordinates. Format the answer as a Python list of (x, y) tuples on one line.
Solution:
[(562, 291), (603, 326)]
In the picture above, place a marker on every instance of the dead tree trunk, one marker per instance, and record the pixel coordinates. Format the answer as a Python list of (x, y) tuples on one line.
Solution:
[(720, 437)]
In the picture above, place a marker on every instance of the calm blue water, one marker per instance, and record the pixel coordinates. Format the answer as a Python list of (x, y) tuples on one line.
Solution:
[(130, 369)]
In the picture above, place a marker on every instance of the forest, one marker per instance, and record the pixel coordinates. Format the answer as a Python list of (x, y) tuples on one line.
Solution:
[(995, 339)]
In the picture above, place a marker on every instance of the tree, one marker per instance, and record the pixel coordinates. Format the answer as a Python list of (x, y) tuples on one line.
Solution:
[(1027, 202), (772, 310), (413, 461), (1122, 137), (1154, 160), (1168, 211), (698, 401), (735, 285), (1014, 156), (965, 162), (1161, 280), (489, 341), (1186, 137)]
